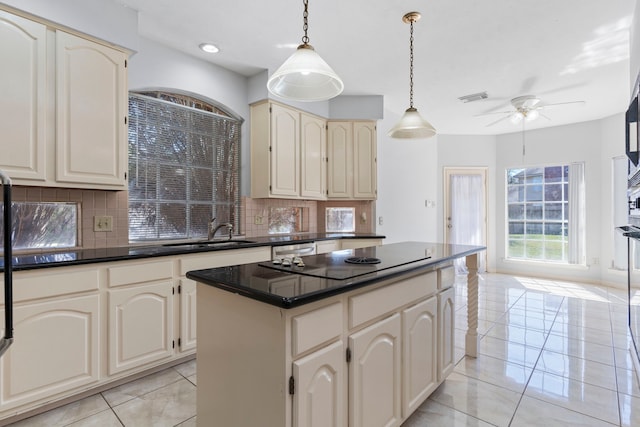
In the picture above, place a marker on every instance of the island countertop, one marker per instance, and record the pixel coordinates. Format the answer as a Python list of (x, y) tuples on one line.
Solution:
[(329, 274)]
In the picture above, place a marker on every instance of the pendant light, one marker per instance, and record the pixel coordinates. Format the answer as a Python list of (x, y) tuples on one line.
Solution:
[(305, 76), (412, 125)]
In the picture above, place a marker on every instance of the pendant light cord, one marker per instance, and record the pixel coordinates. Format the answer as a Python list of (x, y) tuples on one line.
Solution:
[(410, 66), (305, 26)]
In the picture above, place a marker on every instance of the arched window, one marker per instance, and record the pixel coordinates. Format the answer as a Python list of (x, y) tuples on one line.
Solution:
[(184, 157)]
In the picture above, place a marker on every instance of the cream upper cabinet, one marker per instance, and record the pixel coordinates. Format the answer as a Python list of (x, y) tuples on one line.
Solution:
[(288, 153), (64, 107), (340, 152), (364, 161), (285, 151), (352, 160), (91, 112), (313, 166), (23, 49)]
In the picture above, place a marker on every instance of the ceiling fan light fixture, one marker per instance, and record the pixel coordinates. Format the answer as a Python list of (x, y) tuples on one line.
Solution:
[(516, 117), (305, 76), (411, 124), (532, 115)]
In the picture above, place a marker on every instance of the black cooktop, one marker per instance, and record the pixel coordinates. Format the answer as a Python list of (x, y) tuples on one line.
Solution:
[(339, 265)]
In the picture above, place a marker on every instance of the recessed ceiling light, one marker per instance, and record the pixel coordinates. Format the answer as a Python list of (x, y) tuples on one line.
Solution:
[(209, 48)]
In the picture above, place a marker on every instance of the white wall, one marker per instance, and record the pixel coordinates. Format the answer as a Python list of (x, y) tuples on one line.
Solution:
[(589, 142), (407, 176)]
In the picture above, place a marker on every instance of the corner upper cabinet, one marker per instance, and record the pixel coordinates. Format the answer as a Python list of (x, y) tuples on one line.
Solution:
[(287, 153), (91, 95), (352, 160), (23, 49), (64, 107)]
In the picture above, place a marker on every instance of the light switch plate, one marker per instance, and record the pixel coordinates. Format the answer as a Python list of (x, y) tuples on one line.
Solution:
[(103, 223)]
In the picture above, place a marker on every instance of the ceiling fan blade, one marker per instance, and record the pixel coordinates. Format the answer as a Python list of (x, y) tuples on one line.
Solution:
[(545, 116), (495, 112), (498, 121), (560, 103)]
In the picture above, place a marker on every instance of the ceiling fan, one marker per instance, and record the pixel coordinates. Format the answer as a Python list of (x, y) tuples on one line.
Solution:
[(525, 107)]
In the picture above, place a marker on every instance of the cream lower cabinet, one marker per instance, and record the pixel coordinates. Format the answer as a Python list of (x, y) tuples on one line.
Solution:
[(140, 325), (419, 353), (363, 358), (187, 295), (326, 246), (359, 243), (56, 349), (375, 375), (319, 400), (446, 333)]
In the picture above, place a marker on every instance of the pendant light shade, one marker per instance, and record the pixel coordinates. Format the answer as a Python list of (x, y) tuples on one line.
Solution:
[(305, 76), (411, 124)]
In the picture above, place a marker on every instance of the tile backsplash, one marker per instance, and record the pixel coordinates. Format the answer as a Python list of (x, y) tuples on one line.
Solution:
[(92, 203), (115, 203)]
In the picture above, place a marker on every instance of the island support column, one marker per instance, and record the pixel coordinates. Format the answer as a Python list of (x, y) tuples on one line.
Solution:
[(471, 338)]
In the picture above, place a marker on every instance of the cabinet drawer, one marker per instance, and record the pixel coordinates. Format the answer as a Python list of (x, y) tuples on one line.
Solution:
[(446, 277), (316, 327), (28, 285), (370, 305), (139, 273)]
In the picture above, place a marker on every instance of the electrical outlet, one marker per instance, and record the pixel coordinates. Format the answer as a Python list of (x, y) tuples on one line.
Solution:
[(257, 220), (380, 220), (103, 223)]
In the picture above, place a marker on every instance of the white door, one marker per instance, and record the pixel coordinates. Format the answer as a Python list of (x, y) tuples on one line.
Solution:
[(465, 197)]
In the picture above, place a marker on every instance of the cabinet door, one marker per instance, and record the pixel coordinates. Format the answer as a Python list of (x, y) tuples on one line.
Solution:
[(56, 349), (339, 153), (23, 108), (374, 375), (140, 325), (318, 399), (187, 315), (313, 144), (419, 353), (285, 155), (91, 143), (446, 334), (364, 160)]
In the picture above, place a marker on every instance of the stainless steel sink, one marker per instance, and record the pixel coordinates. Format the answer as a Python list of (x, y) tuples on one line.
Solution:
[(209, 243)]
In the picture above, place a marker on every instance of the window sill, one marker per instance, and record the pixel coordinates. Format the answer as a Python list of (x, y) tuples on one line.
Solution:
[(559, 265)]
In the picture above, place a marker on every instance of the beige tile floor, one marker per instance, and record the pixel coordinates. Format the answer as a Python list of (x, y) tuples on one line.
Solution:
[(552, 353)]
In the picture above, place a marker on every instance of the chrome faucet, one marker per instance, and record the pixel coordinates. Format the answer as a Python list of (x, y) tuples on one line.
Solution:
[(213, 230)]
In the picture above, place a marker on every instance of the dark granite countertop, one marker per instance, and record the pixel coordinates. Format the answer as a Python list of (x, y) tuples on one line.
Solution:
[(62, 258), (328, 274)]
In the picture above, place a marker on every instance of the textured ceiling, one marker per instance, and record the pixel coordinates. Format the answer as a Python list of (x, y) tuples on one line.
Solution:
[(560, 51)]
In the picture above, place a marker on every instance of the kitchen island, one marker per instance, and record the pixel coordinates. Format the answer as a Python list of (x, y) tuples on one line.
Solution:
[(335, 342)]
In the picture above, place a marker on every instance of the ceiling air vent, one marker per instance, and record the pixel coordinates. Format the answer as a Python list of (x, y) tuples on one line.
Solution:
[(474, 97)]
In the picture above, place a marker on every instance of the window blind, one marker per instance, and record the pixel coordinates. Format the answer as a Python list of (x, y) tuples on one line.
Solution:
[(183, 170)]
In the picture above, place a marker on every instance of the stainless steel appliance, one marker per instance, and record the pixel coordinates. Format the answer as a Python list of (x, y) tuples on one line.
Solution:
[(631, 230), (6, 341)]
